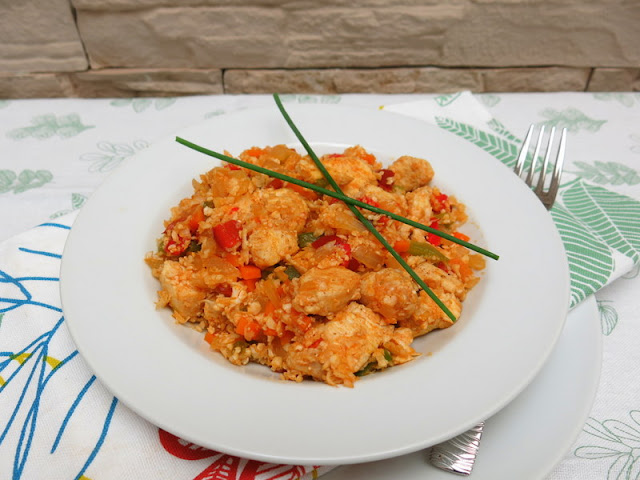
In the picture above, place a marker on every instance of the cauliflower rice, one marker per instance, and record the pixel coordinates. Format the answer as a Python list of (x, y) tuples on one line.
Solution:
[(276, 274)]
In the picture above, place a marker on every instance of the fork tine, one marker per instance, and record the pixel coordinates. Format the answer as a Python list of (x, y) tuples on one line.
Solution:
[(557, 171), (545, 164), (534, 160), (523, 151)]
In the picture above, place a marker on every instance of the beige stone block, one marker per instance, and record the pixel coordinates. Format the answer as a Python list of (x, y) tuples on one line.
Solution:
[(550, 79), (198, 37), (567, 33), (112, 83), (35, 85), (614, 80), (383, 36), (39, 36), (140, 82), (408, 80), (386, 80), (281, 81)]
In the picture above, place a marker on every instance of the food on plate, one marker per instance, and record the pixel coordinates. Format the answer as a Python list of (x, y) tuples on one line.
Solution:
[(280, 275)]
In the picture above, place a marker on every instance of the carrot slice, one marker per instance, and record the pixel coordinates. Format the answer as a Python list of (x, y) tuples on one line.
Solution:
[(249, 272), (269, 309), (254, 152), (461, 236), (250, 284), (195, 219), (304, 192), (402, 246), (233, 259)]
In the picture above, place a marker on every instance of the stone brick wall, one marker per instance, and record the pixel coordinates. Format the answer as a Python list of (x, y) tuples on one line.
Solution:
[(113, 48)]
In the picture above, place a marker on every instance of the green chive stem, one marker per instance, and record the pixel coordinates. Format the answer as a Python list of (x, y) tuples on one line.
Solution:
[(359, 215), (331, 193)]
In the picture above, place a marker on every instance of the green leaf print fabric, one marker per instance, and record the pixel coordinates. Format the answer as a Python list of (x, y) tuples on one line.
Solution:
[(611, 216), (590, 259)]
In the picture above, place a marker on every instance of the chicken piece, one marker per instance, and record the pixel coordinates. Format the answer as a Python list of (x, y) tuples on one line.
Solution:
[(419, 205), (268, 246), (399, 346), (185, 208), (429, 316), (362, 154), (438, 279), (230, 208), (367, 250), (209, 271), (283, 208), (184, 297), (350, 173), (389, 292), (223, 182), (338, 217), (411, 173), (341, 346), (326, 291), (155, 263), (392, 202), (307, 170)]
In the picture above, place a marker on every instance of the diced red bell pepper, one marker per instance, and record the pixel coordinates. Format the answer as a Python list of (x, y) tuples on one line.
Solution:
[(353, 264), (275, 183), (369, 201), (323, 240), (286, 337), (224, 289), (440, 203), (176, 248), (339, 243), (386, 180), (383, 221), (432, 238), (227, 234)]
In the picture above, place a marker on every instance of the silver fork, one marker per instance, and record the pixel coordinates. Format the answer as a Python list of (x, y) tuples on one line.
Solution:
[(458, 454), (546, 195)]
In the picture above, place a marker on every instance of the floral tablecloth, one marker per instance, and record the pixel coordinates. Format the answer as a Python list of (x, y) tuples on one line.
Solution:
[(57, 421)]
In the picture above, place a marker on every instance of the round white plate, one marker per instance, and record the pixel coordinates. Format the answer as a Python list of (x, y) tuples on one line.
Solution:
[(165, 372), (531, 435)]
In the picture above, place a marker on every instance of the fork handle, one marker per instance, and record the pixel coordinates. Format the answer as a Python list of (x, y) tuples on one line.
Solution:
[(458, 454)]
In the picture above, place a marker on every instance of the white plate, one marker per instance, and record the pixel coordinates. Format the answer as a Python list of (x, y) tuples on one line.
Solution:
[(531, 435), (165, 373)]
